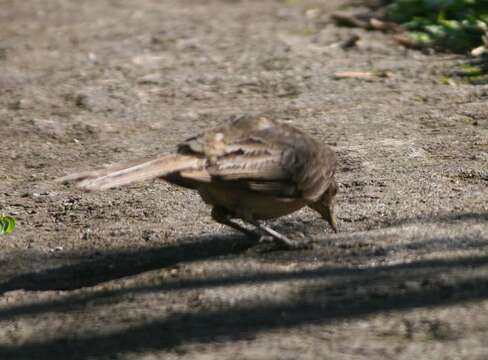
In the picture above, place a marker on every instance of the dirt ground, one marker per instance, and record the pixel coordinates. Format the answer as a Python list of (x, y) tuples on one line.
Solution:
[(144, 273)]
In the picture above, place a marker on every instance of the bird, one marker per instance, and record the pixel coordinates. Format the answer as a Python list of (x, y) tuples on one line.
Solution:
[(251, 168)]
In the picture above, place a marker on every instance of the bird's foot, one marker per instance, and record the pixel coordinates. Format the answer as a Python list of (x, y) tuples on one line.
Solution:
[(268, 235), (287, 243), (266, 239), (298, 244)]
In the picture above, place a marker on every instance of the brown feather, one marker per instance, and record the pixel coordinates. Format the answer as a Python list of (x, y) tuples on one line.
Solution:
[(248, 165), (124, 174)]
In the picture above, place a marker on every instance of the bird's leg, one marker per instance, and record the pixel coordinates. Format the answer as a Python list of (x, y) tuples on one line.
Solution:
[(294, 244), (222, 216)]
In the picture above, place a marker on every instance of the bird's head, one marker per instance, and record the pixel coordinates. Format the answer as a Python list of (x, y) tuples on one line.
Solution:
[(325, 205)]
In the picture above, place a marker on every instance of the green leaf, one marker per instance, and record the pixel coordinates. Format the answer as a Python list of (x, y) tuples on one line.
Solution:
[(420, 37), (7, 225), (454, 25), (450, 24), (472, 70), (436, 30)]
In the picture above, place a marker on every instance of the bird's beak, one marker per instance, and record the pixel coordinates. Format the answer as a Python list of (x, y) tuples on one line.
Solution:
[(330, 216)]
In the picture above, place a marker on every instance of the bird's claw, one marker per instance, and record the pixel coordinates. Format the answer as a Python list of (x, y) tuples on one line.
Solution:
[(299, 244), (305, 243), (266, 239)]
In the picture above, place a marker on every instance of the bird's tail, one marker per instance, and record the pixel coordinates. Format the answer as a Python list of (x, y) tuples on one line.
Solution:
[(126, 173)]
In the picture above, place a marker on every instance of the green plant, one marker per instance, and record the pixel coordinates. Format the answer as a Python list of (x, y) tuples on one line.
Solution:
[(7, 224), (456, 25)]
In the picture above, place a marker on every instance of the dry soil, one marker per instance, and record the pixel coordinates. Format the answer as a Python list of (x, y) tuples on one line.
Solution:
[(143, 273)]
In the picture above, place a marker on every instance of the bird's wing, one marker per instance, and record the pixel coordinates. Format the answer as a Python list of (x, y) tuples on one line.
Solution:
[(245, 164), (260, 155), (256, 154)]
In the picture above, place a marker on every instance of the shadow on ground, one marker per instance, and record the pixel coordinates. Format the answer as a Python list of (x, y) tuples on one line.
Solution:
[(116, 265), (332, 293)]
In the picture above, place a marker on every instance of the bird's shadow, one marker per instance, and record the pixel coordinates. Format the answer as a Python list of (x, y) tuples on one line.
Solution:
[(121, 263), (118, 264), (342, 293), (330, 293)]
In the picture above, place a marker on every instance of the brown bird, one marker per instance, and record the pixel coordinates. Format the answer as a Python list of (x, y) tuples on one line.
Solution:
[(250, 168)]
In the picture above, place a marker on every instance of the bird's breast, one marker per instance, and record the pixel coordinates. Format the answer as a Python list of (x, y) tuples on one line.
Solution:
[(259, 206)]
